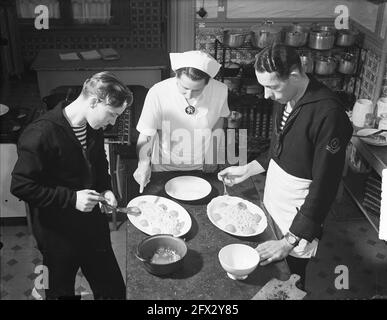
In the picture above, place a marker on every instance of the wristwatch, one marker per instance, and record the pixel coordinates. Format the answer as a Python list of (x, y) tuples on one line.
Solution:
[(292, 239)]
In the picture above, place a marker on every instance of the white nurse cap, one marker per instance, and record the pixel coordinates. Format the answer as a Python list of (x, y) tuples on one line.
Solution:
[(195, 59)]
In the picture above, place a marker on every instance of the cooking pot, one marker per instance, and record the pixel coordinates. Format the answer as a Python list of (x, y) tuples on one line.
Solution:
[(347, 64), (325, 65), (307, 62), (346, 38), (296, 35), (233, 40), (322, 38), (264, 35), (149, 246)]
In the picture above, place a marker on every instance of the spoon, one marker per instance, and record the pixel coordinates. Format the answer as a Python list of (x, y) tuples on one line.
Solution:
[(134, 211), (225, 193)]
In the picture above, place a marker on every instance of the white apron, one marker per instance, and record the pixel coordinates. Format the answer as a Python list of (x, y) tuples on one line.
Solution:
[(283, 194)]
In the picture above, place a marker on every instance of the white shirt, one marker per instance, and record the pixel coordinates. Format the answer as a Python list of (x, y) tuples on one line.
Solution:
[(182, 139)]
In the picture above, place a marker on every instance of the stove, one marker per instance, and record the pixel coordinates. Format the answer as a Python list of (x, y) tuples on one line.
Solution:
[(14, 122)]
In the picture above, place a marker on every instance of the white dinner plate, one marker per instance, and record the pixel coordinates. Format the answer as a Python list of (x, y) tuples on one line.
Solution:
[(221, 224), (365, 132), (138, 222), (3, 109), (188, 188)]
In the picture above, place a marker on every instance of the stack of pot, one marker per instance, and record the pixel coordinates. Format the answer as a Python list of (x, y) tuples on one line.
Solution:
[(322, 37), (264, 35), (296, 35)]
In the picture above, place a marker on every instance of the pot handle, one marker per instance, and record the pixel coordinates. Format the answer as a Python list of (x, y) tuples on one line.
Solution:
[(268, 22)]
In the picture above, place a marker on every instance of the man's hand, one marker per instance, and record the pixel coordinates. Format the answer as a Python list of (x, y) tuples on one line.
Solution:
[(110, 199), (87, 199), (273, 250), (142, 175), (234, 175)]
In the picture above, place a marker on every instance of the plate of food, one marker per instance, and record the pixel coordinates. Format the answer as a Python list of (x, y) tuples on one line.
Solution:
[(3, 109), (368, 136), (236, 216), (160, 215), (188, 188)]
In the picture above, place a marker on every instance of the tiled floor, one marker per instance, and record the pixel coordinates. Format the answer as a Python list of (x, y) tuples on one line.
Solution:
[(349, 240)]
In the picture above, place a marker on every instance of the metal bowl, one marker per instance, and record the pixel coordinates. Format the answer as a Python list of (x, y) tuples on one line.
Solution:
[(148, 247)]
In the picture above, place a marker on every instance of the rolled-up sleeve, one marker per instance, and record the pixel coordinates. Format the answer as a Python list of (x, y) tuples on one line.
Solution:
[(150, 119)]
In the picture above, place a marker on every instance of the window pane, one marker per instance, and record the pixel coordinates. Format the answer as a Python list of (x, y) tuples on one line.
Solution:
[(91, 11), (26, 8)]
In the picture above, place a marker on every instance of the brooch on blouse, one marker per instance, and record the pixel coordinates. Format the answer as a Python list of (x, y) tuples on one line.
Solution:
[(190, 110)]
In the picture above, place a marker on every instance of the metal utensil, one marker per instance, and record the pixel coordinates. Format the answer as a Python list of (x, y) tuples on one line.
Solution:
[(225, 193), (134, 211), (369, 135)]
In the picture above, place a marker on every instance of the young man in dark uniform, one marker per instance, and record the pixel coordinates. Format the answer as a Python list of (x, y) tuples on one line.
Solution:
[(62, 172), (306, 157)]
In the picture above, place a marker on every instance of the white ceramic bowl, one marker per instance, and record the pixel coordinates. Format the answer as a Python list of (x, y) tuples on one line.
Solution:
[(238, 260)]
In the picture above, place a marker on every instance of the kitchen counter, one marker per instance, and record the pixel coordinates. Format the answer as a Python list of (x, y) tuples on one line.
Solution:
[(134, 67), (375, 156), (202, 276)]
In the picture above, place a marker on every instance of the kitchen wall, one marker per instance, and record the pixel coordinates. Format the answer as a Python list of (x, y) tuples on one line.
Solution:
[(240, 15)]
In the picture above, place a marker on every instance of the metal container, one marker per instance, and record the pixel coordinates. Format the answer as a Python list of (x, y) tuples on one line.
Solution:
[(322, 38), (347, 64), (233, 40), (307, 62), (346, 38), (325, 65), (296, 35), (264, 35), (148, 247)]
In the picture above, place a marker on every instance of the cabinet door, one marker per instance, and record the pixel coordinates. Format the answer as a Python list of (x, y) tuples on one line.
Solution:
[(10, 206)]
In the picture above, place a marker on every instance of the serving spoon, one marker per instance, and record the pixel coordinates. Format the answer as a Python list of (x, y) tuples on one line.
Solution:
[(134, 211)]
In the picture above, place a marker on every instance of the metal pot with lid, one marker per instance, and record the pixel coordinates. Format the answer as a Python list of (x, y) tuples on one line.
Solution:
[(325, 65), (346, 37), (296, 35), (347, 64), (265, 34), (322, 37), (233, 40), (307, 62)]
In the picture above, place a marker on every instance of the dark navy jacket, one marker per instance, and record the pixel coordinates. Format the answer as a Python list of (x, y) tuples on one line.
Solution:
[(52, 166), (313, 147)]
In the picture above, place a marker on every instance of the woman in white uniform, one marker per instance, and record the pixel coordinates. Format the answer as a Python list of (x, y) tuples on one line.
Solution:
[(180, 116)]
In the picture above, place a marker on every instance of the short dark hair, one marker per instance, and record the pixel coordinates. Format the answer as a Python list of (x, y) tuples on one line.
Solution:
[(106, 87), (193, 73), (278, 58)]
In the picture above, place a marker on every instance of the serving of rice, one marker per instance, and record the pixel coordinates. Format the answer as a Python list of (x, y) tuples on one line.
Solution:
[(236, 216), (158, 219)]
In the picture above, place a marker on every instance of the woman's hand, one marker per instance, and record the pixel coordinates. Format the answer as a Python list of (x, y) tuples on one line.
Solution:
[(142, 175)]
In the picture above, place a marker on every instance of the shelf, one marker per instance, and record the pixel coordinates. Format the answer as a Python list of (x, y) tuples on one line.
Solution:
[(373, 220)]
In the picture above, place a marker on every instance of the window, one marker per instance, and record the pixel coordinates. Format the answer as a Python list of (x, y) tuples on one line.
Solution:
[(91, 11), (26, 8)]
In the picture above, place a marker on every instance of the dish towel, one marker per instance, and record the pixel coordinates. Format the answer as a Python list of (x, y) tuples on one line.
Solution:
[(383, 208)]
